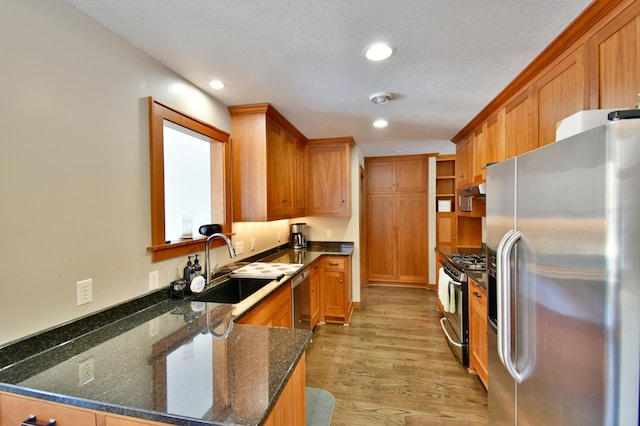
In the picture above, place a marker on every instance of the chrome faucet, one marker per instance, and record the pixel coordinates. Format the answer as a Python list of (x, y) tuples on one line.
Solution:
[(232, 253)]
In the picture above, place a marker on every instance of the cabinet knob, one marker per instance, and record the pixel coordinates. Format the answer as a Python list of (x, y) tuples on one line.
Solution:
[(32, 421)]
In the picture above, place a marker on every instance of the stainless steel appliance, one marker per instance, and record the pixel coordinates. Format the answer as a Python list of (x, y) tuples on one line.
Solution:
[(455, 322), (298, 236), (563, 225), (301, 299)]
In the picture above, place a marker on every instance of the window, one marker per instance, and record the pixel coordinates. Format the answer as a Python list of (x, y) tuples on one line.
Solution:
[(190, 176)]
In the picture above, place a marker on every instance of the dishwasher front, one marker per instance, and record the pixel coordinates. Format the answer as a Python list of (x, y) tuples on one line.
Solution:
[(301, 300)]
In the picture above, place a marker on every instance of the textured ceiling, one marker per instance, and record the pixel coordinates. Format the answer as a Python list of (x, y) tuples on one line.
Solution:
[(306, 57)]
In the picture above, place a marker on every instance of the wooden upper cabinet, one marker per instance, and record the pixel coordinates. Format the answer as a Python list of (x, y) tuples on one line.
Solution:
[(280, 168), (518, 126), (480, 154), (266, 168), (495, 140), (464, 162), (329, 177), (411, 174), (397, 174), (300, 187), (560, 93), (614, 54)]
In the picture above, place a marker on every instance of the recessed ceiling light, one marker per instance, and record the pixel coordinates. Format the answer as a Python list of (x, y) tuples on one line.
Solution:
[(378, 52), (380, 123), (216, 84)]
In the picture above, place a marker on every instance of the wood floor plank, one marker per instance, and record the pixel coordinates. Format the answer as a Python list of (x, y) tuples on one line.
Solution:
[(392, 365)]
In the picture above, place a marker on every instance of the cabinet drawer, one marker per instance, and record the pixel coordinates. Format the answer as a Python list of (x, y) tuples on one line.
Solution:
[(16, 409), (334, 263)]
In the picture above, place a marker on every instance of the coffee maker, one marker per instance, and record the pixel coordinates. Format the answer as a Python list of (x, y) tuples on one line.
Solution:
[(298, 238)]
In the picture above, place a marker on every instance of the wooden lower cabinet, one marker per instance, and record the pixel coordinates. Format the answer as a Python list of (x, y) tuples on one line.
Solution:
[(15, 409), (275, 311), (336, 289), (291, 407), (478, 347), (111, 420)]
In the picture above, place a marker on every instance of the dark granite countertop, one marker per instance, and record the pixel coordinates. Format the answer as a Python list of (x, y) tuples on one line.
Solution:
[(167, 360)]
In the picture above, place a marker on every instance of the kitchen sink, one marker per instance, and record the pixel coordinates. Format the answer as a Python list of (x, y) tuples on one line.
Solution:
[(234, 290)]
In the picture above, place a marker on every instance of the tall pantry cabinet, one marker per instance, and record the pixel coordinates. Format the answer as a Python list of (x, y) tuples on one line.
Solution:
[(397, 219)]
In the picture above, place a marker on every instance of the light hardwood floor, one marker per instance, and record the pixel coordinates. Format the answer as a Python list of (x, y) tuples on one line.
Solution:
[(392, 366)]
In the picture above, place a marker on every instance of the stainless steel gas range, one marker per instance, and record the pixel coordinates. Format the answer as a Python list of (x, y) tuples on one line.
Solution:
[(453, 291)]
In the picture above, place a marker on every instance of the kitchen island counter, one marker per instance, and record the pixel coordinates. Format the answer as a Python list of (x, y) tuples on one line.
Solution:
[(174, 361)]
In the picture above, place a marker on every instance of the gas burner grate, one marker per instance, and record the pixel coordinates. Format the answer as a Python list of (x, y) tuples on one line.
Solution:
[(470, 262)]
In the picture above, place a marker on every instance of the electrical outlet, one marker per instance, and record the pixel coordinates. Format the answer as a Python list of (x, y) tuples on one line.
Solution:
[(253, 244), (86, 371), (154, 280), (328, 233), (84, 291), (154, 327), (239, 247), (278, 236)]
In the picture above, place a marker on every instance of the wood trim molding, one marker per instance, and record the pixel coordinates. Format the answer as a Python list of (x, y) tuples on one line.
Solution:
[(589, 21), (269, 111), (329, 141)]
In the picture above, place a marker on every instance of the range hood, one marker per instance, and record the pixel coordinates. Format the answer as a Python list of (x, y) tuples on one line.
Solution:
[(477, 191)]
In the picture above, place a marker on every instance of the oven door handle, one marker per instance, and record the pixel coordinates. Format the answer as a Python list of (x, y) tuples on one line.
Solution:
[(446, 333)]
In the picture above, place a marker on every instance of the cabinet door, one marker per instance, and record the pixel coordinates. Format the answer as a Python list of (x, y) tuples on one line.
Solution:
[(15, 409), (561, 92), (334, 293), (381, 237), (275, 311), (300, 180), (328, 181), (446, 229), (412, 238), (615, 79), (518, 126), (478, 346), (381, 176), (464, 162), (111, 420), (280, 172), (495, 142), (411, 175), (480, 155)]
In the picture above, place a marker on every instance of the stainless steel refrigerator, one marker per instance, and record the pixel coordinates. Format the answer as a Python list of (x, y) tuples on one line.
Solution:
[(563, 241)]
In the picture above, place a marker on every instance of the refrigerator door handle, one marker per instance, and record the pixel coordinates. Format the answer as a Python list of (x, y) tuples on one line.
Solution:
[(503, 285)]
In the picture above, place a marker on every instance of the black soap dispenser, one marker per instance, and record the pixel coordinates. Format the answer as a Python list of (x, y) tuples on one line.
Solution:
[(197, 268), (187, 273)]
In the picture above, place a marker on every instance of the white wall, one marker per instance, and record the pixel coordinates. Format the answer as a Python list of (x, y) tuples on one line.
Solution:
[(74, 166)]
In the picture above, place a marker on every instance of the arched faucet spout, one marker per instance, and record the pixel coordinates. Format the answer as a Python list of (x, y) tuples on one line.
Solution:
[(232, 254)]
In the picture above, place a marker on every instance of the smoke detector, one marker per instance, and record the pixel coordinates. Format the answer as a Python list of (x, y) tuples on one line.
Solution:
[(380, 98)]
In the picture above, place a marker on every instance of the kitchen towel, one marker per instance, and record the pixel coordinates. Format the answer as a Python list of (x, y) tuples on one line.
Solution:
[(446, 291), (266, 270)]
